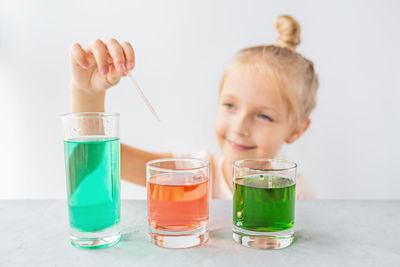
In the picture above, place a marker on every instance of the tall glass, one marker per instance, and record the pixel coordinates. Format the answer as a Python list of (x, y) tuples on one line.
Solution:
[(178, 193), (92, 165), (263, 203)]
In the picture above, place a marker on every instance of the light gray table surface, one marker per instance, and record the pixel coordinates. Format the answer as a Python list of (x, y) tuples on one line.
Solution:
[(328, 233)]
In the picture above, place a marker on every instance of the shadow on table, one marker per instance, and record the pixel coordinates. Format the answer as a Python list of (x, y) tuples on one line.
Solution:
[(222, 234), (136, 238), (303, 236)]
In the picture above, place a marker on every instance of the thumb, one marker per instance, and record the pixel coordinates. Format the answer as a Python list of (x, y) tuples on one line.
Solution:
[(113, 75)]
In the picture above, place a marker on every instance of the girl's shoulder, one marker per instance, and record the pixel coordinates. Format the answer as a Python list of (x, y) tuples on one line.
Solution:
[(304, 190)]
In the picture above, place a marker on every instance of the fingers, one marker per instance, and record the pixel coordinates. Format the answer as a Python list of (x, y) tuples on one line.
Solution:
[(78, 56), (117, 54), (100, 53), (110, 55), (129, 55)]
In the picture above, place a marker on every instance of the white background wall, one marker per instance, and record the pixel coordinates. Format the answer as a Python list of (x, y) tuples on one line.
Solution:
[(351, 150)]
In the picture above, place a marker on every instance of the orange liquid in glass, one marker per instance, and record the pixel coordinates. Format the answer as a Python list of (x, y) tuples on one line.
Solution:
[(178, 202)]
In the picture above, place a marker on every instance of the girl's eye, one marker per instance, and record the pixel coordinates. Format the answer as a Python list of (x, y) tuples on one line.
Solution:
[(229, 105), (265, 117)]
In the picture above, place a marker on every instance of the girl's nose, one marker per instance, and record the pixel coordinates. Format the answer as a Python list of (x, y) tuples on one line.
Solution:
[(240, 125)]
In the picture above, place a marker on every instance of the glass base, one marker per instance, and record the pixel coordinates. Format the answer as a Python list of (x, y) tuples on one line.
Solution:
[(186, 239), (263, 240), (95, 240)]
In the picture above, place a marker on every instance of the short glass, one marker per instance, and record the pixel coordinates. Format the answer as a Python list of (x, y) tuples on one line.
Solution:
[(92, 165), (264, 203), (178, 194)]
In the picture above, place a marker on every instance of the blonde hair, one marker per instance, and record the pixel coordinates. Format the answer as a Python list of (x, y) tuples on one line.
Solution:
[(293, 74)]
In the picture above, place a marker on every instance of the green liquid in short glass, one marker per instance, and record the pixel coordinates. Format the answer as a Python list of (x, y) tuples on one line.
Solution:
[(93, 182), (264, 203)]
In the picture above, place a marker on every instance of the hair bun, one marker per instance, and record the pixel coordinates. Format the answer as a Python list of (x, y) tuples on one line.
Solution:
[(288, 32)]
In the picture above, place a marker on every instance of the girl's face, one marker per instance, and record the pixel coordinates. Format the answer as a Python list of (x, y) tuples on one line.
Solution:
[(252, 118)]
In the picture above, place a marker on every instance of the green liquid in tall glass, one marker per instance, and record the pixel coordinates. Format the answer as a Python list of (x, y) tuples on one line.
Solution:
[(264, 203), (93, 182)]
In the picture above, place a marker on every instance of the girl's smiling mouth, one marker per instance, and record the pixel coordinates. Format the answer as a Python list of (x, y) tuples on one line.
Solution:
[(239, 147)]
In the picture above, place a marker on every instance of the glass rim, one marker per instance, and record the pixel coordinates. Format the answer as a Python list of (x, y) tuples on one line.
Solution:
[(90, 114), (206, 164), (293, 165)]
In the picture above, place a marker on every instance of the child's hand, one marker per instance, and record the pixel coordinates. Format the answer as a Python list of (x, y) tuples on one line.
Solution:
[(100, 65)]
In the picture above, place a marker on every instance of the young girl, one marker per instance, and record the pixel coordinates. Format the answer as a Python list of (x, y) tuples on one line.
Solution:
[(266, 96)]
